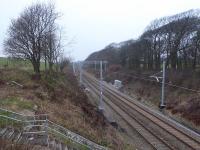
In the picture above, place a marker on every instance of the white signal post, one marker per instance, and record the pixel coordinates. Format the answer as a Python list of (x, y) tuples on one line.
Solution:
[(101, 88), (80, 70), (101, 63), (95, 65), (74, 68), (162, 99), (162, 104)]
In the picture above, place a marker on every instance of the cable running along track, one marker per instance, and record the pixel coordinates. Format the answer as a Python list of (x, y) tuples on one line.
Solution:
[(159, 131)]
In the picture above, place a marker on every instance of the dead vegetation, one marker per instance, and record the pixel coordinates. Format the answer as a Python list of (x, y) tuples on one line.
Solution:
[(179, 102), (189, 109), (8, 145), (60, 96)]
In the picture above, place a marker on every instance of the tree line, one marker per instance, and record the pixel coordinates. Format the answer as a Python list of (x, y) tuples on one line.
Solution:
[(35, 36), (177, 37)]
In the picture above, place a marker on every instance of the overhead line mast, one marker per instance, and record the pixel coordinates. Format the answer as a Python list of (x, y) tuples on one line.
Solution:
[(101, 63)]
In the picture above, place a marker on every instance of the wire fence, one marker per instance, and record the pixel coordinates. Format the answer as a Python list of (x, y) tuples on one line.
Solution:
[(27, 125)]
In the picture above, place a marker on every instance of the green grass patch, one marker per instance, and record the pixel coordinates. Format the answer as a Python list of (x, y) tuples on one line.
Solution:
[(105, 143), (20, 63), (15, 63), (16, 102), (5, 113), (5, 122)]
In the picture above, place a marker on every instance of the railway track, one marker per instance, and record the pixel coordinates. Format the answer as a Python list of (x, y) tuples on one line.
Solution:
[(159, 131), (148, 136)]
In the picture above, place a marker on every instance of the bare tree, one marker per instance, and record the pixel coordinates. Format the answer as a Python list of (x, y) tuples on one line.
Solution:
[(173, 36), (26, 34), (64, 62), (177, 37), (52, 47)]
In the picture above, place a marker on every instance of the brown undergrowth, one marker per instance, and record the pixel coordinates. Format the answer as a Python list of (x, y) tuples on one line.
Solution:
[(184, 103), (8, 145), (60, 96)]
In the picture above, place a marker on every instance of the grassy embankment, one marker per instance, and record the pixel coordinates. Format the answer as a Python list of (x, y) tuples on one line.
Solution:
[(60, 97)]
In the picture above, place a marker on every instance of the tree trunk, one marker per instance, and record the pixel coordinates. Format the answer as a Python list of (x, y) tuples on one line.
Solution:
[(173, 56), (195, 59), (157, 62), (36, 68), (45, 62), (50, 66)]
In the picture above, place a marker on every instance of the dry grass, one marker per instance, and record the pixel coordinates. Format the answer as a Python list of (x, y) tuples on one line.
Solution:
[(64, 101), (7, 145), (189, 109), (179, 102)]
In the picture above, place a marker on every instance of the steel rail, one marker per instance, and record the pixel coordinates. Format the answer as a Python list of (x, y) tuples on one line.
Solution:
[(144, 134), (189, 133), (193, 146)]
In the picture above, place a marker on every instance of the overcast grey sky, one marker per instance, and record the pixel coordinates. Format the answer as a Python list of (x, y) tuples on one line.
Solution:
[(93, 24)]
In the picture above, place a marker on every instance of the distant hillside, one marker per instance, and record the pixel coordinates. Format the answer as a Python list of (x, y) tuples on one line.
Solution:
[(177, 37), (110, 53)]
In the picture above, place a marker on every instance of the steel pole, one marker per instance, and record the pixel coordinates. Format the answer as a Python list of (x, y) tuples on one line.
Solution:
[(80, 65), (162, 104), (95, 65), (101, 88), (74, 68), (105, 67)]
